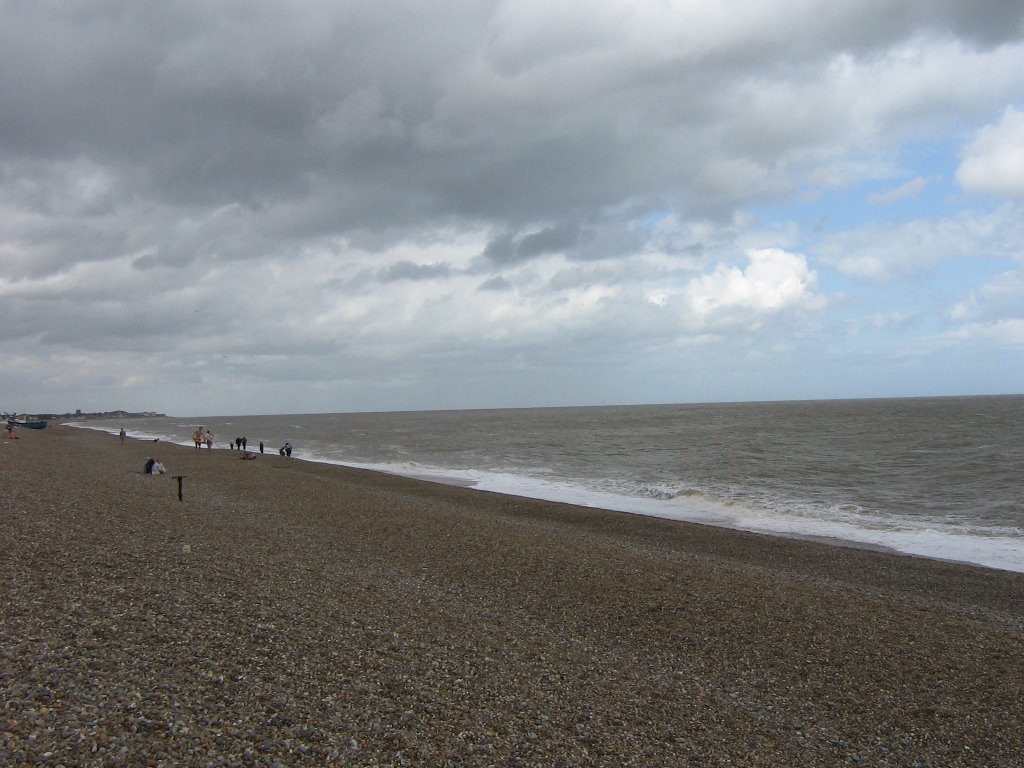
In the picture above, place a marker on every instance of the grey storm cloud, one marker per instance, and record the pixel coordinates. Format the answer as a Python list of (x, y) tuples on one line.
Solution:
[(508, 247), (391, 115), (407, 270), (360, 183), (496, 283)]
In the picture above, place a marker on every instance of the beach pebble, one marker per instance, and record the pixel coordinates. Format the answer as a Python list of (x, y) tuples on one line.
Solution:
[(339, 617)]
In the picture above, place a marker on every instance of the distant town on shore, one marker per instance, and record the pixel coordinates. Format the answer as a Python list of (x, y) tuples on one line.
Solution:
[(79, 414)]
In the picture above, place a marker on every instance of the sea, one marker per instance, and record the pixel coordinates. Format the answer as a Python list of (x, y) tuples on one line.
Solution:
[(935, 477)]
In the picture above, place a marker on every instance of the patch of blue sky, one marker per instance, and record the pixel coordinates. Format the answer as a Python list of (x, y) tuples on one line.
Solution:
[(652, 219), (840, 209), (920, 183), (955, 279), (908, 307)]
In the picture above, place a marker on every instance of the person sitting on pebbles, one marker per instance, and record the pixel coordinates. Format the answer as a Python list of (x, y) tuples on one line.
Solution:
[(154, 467)]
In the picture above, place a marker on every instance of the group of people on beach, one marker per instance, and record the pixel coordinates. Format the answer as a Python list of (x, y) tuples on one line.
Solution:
[(202, 437)]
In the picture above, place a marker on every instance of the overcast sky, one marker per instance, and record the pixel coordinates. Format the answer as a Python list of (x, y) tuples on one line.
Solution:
[(217, 207)]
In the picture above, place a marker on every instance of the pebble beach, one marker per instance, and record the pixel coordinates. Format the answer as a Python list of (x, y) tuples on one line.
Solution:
[(289, 613)]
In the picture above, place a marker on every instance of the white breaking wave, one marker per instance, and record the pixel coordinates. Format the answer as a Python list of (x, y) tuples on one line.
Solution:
[(932, 477)]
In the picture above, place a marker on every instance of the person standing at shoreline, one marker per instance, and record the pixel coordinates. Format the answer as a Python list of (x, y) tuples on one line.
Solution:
[(197, 437), (123, 435)]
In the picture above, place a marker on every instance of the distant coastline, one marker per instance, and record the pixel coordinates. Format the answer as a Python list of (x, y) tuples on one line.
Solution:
[(92, 415)]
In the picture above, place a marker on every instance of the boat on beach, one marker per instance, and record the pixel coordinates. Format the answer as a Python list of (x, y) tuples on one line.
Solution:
[(28, 423)]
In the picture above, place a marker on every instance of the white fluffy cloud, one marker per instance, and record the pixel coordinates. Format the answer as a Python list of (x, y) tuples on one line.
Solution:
[(993, 163), (774, 280)]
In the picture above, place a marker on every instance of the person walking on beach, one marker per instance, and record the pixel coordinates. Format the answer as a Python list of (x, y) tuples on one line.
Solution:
[(197, 437), (261, 446), (123, 435), (288, 450), (209, 439)]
